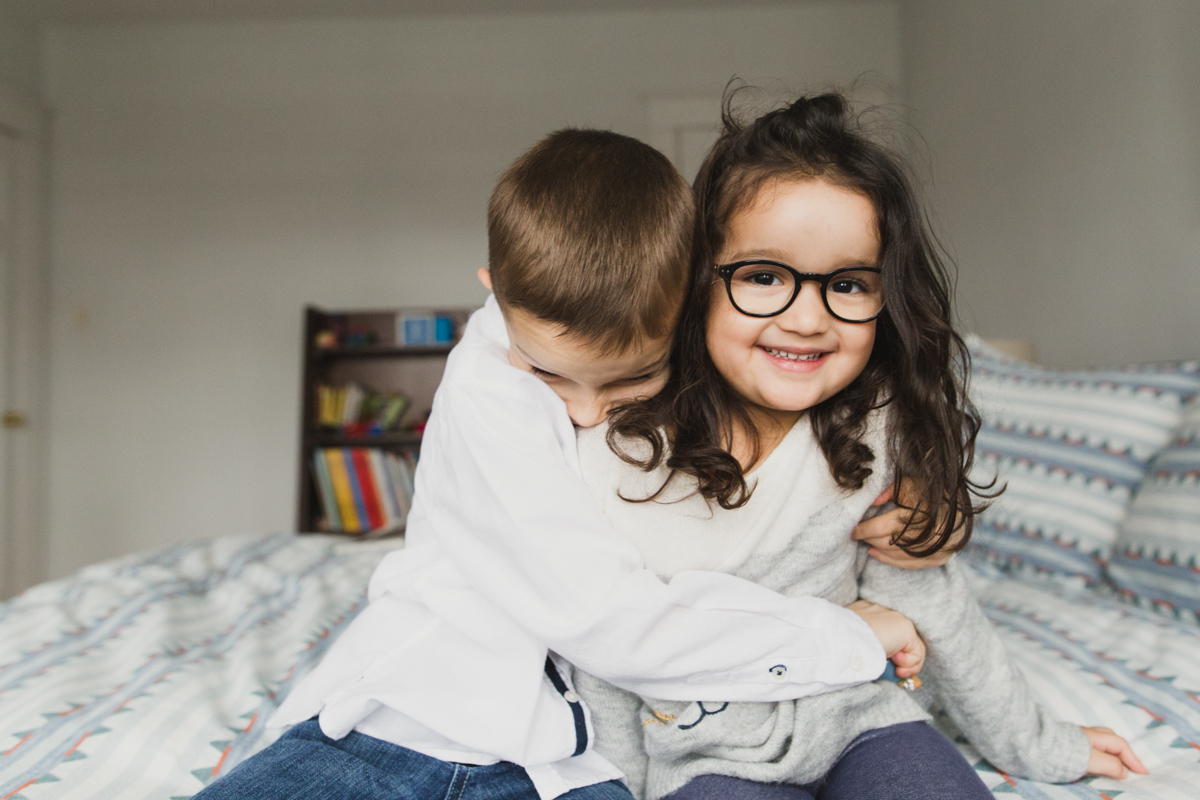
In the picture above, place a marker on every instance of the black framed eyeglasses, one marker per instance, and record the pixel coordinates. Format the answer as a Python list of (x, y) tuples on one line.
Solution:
[(761, 288)]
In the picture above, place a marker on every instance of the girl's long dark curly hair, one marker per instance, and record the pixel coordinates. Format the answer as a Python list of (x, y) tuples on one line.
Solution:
[(918, 366)]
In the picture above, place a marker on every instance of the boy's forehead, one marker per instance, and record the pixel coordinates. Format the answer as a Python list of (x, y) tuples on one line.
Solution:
[(550, 347)]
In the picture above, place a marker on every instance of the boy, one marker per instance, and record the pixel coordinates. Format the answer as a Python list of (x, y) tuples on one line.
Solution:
[(444, 686)]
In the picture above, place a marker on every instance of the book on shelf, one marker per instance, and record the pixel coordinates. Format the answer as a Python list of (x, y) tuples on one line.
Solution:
[(366, 489), (333, 515), (404, 469), (359, 410), (385, 488), (363, 490), (340, 478)]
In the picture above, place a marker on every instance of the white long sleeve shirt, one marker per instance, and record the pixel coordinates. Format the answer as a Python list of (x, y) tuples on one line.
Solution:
[(509, 557)]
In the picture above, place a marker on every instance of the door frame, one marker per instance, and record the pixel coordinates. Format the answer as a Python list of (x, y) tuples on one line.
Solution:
[(27, 122)]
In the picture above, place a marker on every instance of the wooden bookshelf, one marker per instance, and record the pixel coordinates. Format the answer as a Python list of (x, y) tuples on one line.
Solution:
[(375, 359)]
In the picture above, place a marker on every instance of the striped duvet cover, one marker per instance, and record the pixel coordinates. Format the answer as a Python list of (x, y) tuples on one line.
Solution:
[(149, 676)]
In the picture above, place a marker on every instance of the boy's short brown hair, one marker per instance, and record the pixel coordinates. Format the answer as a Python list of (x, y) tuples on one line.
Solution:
[(592, 230)]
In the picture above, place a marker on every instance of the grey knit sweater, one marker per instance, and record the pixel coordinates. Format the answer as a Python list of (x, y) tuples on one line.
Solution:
[(794, 536)]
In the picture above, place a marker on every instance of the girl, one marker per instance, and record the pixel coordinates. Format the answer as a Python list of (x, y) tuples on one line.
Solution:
[(816, 365)]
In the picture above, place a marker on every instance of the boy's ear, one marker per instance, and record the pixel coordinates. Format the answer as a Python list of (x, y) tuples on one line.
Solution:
[(485, 277)]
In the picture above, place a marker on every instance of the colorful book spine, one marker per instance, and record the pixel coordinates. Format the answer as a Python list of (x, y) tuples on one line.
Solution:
[(329, 506), (385, 489), (392, 411), (393, 466), (324, 404), (353, 405), (340, 478), (373, 487), (410, 472), (364, 491), (355, 395)]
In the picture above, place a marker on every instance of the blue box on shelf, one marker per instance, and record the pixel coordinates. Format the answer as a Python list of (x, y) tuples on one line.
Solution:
[(443, 329), (420, 329)]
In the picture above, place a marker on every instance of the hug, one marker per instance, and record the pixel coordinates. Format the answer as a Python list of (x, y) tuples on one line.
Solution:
[(695, 473)]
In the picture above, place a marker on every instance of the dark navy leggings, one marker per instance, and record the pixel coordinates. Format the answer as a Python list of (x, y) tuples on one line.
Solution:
[(910, 761)]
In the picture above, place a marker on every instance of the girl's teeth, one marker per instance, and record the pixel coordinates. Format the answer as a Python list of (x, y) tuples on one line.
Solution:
[(793, 356)]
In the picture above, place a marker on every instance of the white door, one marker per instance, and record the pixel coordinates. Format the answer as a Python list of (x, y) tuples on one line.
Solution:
[(7, 207), (683, 129)]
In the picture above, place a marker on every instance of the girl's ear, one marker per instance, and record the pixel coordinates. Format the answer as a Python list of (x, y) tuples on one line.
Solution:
[(485, 277)]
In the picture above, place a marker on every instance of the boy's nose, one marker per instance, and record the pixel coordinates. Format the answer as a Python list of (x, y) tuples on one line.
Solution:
[(587, 413)]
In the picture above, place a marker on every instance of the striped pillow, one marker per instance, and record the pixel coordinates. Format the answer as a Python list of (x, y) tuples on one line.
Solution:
[(1071, 445), (1157, 557)]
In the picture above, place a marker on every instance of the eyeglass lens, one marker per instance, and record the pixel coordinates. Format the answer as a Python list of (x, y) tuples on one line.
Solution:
[(853, 295)]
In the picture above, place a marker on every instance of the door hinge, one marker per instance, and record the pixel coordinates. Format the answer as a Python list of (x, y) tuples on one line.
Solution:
[(14, 419)]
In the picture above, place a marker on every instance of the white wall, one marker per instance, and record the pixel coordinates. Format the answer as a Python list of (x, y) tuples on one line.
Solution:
[(20, 62), (210, 180), (23, 134), (1065, 145)]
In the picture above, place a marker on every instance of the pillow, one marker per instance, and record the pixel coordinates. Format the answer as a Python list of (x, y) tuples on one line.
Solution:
[(1070, 445), (1157, 557)]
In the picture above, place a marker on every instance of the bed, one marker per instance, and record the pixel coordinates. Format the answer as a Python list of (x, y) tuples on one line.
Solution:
[(149, 676)]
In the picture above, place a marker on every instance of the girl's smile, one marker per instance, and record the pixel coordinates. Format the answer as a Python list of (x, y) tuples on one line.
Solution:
[(793, 361), (796, 360)]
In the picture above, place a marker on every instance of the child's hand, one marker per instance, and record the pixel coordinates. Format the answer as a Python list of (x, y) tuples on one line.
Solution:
[(879, 532), (904, 647), (1111, 755)]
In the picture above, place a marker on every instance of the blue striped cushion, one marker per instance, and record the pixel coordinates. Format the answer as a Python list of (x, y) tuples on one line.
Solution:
[(1071, 445), (1157, 557)]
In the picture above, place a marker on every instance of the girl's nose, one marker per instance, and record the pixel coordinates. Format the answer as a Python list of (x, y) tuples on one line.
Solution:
[(807, 315)]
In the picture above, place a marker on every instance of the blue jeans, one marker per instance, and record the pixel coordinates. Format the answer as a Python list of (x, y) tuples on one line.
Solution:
[(910, 761), (305, 763)]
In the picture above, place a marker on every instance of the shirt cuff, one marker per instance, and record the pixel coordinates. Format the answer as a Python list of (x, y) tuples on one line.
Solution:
[(835, 649)]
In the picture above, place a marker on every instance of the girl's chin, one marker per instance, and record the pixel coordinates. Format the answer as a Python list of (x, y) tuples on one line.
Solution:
[(785, 399), (782, 411)]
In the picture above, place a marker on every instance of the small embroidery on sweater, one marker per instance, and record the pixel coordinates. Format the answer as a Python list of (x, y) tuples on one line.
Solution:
[(704, 712), (659, 718)]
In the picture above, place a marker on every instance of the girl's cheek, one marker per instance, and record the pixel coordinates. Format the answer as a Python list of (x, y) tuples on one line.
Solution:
[(724, 325)]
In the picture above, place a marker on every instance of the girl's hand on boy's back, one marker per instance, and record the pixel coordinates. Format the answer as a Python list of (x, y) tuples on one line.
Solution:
[(903, 645), (1111, 755), (881, 531)]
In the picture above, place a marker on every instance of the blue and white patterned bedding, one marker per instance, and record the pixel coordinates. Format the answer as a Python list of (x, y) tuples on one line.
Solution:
[(146, 677)]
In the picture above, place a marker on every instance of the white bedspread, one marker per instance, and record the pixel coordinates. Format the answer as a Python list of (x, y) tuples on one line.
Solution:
[(148, 676)]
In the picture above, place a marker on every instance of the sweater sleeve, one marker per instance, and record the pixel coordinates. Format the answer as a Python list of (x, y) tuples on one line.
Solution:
[(616, 728), (972, 676)]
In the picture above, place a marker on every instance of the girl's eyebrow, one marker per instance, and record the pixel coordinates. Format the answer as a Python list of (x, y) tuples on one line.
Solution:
[(772, 254), (768, 252)]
